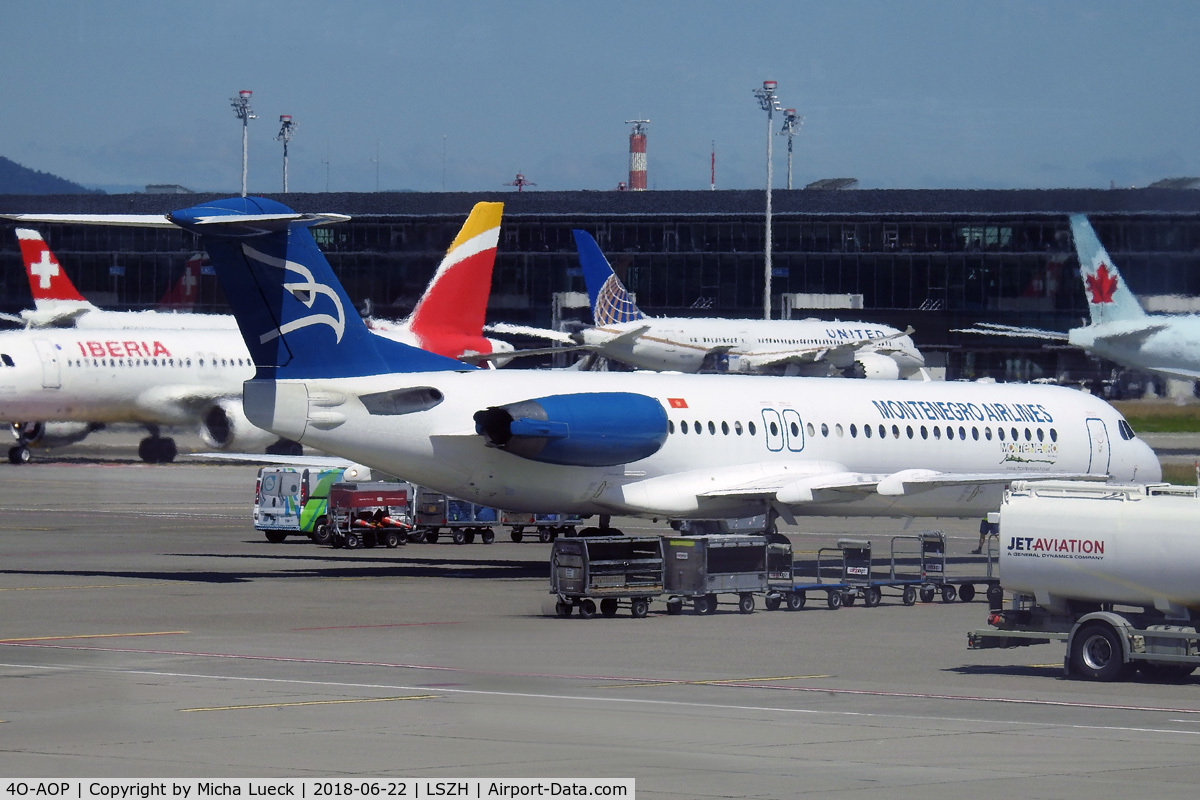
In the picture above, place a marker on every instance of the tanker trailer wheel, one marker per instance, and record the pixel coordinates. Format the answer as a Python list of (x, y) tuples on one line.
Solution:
[(640, 607), (926, 593), (795, 600), (948, 593), (995, 597), (1096, 653), (910, 596), (1165, 673), (966, 592)]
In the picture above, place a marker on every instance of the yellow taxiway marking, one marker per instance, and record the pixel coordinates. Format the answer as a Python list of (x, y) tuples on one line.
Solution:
[(92, 636), (715, 682), (316, 703)]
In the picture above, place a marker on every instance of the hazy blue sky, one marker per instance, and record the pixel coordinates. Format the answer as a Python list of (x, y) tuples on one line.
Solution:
[(921, 93)]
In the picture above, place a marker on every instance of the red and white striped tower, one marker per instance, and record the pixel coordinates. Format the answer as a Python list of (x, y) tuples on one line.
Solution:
[(637, 154)]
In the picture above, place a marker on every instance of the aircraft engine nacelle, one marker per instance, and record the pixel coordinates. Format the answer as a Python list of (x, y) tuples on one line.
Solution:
[(597, 429), (875, 366), (53, 434), (225, 427)]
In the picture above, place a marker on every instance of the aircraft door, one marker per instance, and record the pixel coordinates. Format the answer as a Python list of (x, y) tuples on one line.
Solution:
[(793, 429), (51, 367), (1101, 454), (773, 429)]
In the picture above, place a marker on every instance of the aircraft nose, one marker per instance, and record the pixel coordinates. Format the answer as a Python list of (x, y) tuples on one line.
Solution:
[(1146, 466)]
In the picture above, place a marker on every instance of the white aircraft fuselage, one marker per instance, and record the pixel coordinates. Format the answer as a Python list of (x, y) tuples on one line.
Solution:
[(1162, 343), (164, 376), (734, 441), (750, 346)]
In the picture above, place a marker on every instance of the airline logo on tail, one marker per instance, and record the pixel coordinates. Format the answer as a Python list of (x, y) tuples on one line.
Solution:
[(47, 280), (306, 292), (1102, 285), (457, 296), (613, 304)]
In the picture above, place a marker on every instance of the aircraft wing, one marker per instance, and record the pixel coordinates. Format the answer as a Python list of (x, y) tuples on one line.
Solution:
[(1132, 336), (524, 330), (996, 329), (834, 484), (164, 221)]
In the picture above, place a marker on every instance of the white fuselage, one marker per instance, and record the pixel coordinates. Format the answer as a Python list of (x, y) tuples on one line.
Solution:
[(162, 376), (726, 432), (681, 344), (1172, 349)]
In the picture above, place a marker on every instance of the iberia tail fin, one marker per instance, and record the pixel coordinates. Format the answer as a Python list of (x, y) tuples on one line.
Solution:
[(1109, 299), (610, 301), (456, 299)]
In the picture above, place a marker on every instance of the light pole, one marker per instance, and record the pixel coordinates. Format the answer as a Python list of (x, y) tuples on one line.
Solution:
[(769, 103), (791, 126), (286, 128), (241, 107)]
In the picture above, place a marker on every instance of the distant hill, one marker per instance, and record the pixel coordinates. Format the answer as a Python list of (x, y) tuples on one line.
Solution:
[(15, 179)]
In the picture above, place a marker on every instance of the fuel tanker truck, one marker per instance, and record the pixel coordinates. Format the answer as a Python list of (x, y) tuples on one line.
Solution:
[(1111, 570)]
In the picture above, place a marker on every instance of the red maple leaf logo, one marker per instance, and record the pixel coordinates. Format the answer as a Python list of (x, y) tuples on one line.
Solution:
[(1102, 285)]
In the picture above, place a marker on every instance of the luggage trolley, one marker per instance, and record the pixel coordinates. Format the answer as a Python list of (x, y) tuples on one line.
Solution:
[(462, 518), (611, 568), (701, 567), (842, 573), (547, 527), (930, 577)]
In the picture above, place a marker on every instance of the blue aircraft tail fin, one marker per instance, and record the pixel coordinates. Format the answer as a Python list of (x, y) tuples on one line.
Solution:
[(610, 302), (294, 315), (1109, 299)]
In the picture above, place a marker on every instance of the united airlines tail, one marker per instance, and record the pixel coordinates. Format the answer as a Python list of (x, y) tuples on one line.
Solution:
[(1109, 299), (295, 317), (610, 302)]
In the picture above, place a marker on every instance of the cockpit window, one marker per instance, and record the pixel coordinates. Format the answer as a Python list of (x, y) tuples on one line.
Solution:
[(7, 359), (1126, 430)]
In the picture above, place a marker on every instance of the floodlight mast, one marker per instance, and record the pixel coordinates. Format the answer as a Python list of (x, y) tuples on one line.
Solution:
[(241, 107), (286, 128), (769, 103), (791, 126)]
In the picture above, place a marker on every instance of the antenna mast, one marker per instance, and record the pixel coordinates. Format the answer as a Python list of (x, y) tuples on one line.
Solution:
[(286, 128), (241, 107)]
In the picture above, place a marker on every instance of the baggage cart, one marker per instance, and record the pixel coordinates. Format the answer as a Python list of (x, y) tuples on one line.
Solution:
[(463, 519), (547, 527), (606, 568), (699, 568), (369, 514), (843, 573)]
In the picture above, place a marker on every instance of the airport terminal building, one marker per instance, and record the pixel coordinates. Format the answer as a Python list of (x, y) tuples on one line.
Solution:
[(935, 260)]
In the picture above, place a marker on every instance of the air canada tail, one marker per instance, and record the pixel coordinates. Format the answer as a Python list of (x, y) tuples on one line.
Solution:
[(457, 297), (610, 302), (1109, 299), (294, 315)]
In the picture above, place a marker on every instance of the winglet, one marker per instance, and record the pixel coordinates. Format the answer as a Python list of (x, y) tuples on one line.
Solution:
[(457, 297), (1109, 299), (610, 301)]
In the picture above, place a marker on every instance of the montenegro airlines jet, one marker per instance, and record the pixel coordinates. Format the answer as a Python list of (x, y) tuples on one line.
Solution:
[(645, 444), (681, 344), (1120, 330), (59, 385)]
